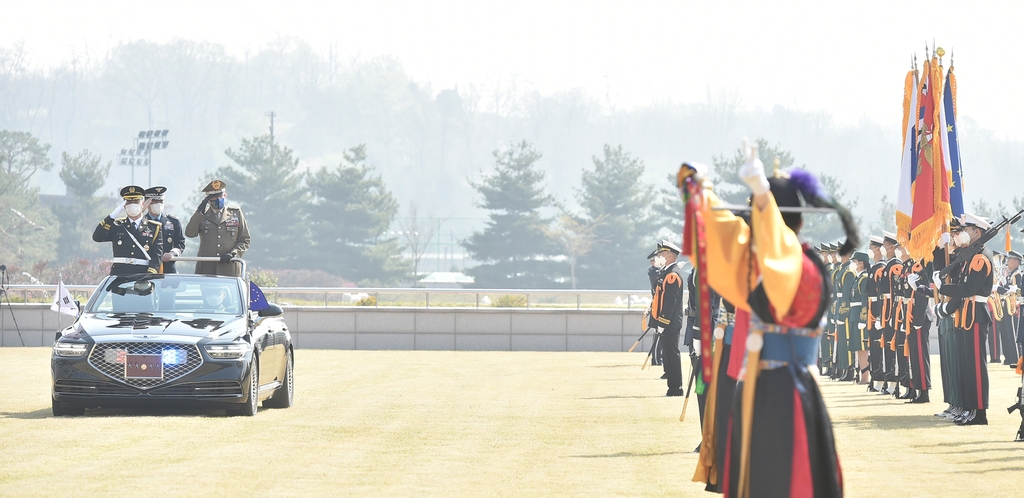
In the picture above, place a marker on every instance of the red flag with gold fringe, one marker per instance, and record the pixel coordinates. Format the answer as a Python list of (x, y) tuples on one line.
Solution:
[(931, 183)]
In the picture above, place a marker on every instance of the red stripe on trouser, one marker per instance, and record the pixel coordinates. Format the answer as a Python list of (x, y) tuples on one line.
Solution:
[(922, 382), (977, 362), (800, 482)]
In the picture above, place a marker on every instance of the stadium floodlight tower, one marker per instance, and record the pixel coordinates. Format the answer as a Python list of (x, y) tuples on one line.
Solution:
[(142, 153)]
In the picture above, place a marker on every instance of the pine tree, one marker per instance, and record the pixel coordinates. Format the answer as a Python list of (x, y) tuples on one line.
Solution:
[(614, 198), (350, 212), (515, 247), (28, 232), (83, 174), (266, 183)]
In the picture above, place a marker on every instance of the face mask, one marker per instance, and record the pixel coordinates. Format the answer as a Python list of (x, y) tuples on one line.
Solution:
[(219, 202), (156, 209), (659, 261), (215, 300), (898, 253), (133, 210), (963, 239)]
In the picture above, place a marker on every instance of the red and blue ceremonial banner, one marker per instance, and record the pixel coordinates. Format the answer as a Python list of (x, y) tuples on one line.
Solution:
[(930, 188), (908, 166)]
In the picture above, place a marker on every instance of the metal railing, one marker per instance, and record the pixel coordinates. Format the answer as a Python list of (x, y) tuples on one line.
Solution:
[(413, 297)]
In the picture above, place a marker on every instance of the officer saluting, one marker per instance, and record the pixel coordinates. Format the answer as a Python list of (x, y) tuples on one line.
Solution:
[(221, 230), (172, 233), (134, 240)]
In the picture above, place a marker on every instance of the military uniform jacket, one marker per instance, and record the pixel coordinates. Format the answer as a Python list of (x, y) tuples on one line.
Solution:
[(917, 309), (893, 269), (172, 236), (667, 307), (692, 310), (859, 299), (874, 293), (968, 290), (122, 235), (219, 233), (845, 281)]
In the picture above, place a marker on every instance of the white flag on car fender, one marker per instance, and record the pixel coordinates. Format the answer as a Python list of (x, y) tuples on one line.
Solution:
[(63, 303)]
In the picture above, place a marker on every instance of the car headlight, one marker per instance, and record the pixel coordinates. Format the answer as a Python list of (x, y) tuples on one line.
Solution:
[(226, 351), (69, 349)]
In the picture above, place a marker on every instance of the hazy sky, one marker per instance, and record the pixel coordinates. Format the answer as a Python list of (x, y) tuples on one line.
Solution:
[(847, 60)]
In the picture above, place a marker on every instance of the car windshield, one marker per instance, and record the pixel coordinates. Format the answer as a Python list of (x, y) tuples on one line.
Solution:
[(168, 294)]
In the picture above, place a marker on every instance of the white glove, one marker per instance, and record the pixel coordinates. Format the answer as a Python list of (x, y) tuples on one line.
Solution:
[(752, 172), (937, 280), (944, 239), (862, 326), (931, 314), (118, 212), (1012, 288), (995, 288), (912, 279), (878, 324)]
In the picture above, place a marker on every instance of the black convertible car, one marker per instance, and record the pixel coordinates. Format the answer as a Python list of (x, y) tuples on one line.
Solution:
[(176, 339)]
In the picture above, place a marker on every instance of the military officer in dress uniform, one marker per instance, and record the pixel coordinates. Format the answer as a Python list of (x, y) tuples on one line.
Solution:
[(667, 311), (876, 356), (221, 230), (1013, 289), (134, 239), (969, 287), (859, 315), (172, 233)]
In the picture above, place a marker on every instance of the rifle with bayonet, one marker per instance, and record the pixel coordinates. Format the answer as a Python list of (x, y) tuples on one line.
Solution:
[(965, 254)]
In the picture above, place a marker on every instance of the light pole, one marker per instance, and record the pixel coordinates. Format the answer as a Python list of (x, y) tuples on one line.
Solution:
[(142, 153)]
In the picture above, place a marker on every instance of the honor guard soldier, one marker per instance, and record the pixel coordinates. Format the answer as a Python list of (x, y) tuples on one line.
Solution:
[(221, 230), (876, 359), (654, 273), (859, 306), (1013, 299), (1004, 306), (919, 326), (172, 233), (968, 290), (846, 278), (134, 239), (667, 311)]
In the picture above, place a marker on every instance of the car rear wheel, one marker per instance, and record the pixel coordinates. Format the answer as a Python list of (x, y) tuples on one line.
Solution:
[(64, 410), (284, 395), (252, 405)]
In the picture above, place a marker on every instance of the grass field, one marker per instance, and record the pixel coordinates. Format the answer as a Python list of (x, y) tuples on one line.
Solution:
[(416, 423)]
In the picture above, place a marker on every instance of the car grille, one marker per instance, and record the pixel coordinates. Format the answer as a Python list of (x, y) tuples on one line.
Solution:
[(88, 387), (225, 388), (104, 357)]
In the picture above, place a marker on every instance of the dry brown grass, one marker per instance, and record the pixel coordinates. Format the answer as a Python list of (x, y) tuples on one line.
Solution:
[(465, 424)]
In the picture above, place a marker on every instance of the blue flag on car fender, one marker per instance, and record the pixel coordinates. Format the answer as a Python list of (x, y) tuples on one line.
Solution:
[(257, 301)]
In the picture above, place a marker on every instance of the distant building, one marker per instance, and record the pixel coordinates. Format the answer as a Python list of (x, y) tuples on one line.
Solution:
[(445, 280)]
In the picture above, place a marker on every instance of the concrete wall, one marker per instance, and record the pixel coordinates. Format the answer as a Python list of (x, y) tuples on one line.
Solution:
[(410, 328)]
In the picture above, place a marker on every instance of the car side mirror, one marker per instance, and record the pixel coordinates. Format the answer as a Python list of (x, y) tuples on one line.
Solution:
[(271, 310)]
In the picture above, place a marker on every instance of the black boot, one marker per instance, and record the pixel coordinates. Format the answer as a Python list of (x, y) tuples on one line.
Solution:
[(885, 389), (909, 395), (921, 398), (976, 417)]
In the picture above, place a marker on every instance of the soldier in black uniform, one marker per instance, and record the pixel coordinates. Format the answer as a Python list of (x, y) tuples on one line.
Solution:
[(653, 273), (172, 233), (919, 359), (901, 294), (858, 316), (876, 355), (667, 311), (889, 302), (133, 239), (1014, 283), (968, 290)]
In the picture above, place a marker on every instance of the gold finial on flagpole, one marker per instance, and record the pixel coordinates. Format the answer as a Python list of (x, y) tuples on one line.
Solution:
[(775, 168), (940, 52)]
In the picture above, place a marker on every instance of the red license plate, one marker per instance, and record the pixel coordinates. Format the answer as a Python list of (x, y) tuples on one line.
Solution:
[(144, 366)]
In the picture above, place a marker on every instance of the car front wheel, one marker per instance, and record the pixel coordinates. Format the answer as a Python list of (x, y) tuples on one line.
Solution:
[(252, 405)]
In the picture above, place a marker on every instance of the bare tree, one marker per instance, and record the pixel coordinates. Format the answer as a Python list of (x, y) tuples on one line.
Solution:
[(577, 237), (417, 235)]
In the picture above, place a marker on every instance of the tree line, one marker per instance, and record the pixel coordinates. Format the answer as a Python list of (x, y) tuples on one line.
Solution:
[(336, 218)]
